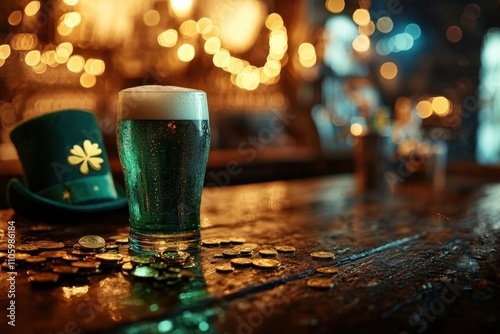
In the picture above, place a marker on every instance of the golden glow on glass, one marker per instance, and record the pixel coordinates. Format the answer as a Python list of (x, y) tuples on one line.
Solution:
[(151, 18), (335, 6), (424, 109), (87, 80), (75, 64), (188, 28), (168, 38), (94, 66), (70, 2), (24, 42), (72, 19), (181, 8), (454, 34), (32, 8), (361, 16), (4, 51), (368, 29), (361, 43), (307, 55), (385, 24), (32, 58), (441, 105), (186, 52), (357, 129), (15, 18), (212, 45), (221, 58), (274, 21)]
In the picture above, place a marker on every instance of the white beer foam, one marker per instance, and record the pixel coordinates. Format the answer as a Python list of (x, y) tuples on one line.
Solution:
[(156, 102)]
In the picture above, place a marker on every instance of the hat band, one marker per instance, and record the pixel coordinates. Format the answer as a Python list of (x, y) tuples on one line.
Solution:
[(89, 189)]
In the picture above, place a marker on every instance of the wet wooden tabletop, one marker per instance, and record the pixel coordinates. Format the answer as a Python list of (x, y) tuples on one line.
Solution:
[(411, 261)]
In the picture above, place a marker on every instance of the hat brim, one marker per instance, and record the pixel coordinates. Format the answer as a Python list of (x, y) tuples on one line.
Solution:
[(31, 205)]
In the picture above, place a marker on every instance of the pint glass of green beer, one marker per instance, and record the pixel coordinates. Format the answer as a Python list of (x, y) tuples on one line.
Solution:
[(163, 138)]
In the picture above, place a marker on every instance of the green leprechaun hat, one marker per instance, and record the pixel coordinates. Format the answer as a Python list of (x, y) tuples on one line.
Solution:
[(66, 170)]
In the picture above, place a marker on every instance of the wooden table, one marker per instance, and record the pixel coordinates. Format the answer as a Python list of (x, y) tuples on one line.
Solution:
[(413, 261)]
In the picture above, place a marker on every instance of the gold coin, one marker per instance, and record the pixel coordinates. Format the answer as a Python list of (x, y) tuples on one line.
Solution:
[(86, 264), (230, 253), (69, 257), (225, 241), (112, 246), (244, 250), (43, 278), (109, 257), (53, 254), (266, 263), (127, 266), (268, 252), (121, 241), (64, 270), (210, 242), (27, 248), (322, 255), (22, 256), (237, 240), (48, 245), (285, 249), (36, 259), (241, 262), (225, 268), (327, 270), (92, 242), (320, 283)]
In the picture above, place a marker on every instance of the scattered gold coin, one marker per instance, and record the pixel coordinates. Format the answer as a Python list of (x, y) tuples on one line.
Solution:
[(225, 268), (237, 240), (268, 252), (266, 263), (327, 270), (241, 262), (320, 283), (92, 242), (230, 253), (43, 278), (323, 255), (285, 249)]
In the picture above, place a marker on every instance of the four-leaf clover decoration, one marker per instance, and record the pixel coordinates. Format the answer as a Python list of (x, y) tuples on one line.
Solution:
[(88, 155)]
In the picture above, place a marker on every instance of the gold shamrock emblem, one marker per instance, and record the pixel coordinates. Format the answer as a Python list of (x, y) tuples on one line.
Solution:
[(88, 155)]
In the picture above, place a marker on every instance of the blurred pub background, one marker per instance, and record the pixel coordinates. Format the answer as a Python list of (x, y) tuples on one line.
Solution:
[(291, 84)]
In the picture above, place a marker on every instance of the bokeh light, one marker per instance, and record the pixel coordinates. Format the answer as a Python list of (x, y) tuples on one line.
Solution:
[(186, 52), (454, 34), (424, 109), (15, 18), (168, 38), (385, 24), (32, 8), (212, 45), (75, 64), (32, 58), (4, 51), (87, 80), (361, 43), (388, 70), (335, 6), (151, 18), (361, 16), (441, 105)]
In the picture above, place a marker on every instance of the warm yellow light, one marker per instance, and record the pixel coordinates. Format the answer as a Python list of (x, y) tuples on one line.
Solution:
[(361, 43), (95, 66), (361, 16), (234, 65), (402, 109), (49, 58), (87, 80), (212, 45), (307, 55), (357, 129), (272, 68), (151, 18), (454, 34), (385, 24), (23, 42), (389, 70), (63, 29), (75, 64), (335, 6), (186, 52), (441, 105), (32, 8), (72, 19), (32, 58), (2, 62), (40, 68), (278, 41), (64, 49), (15, 18), (424, 109), (4, 51), (70, 2), (368, 29), (221, 58), (181, 8), (274, 21), (204, 25), (168, 38), (188, 28)]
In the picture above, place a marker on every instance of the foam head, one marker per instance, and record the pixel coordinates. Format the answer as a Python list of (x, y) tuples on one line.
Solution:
[(162, 103)]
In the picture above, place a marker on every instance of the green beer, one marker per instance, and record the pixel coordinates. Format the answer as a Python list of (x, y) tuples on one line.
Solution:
[(163, 137)]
